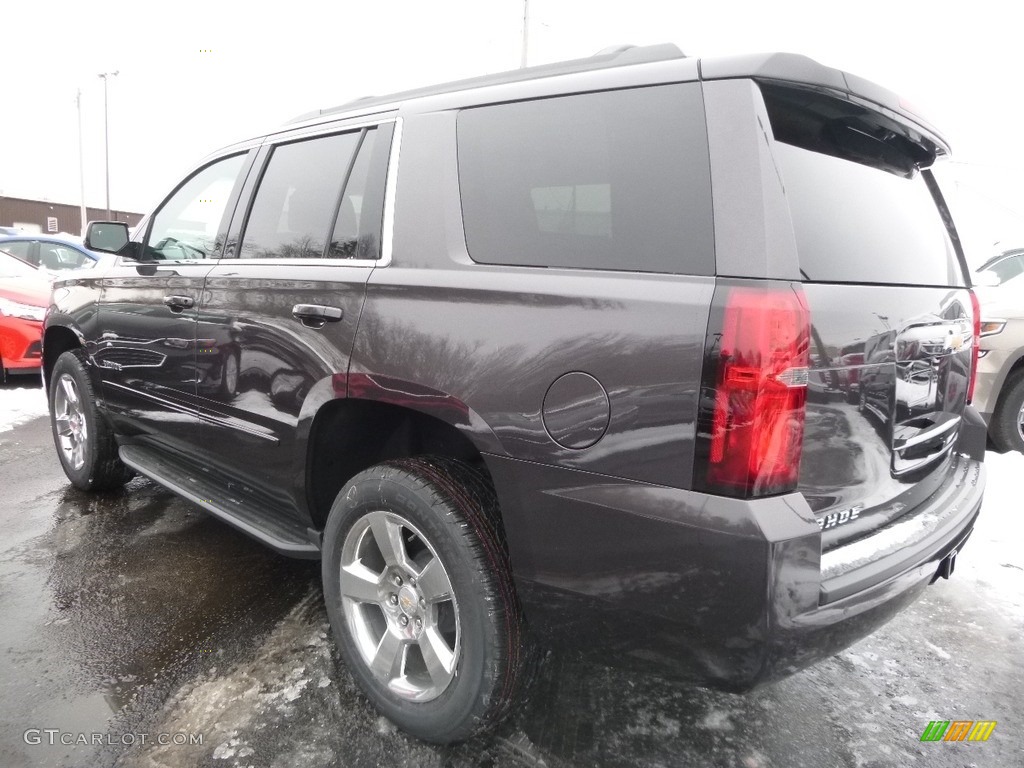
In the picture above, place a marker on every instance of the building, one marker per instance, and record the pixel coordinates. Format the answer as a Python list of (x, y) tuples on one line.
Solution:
[(41, 216)]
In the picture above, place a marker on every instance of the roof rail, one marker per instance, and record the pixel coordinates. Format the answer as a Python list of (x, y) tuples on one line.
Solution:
[(615, 56)]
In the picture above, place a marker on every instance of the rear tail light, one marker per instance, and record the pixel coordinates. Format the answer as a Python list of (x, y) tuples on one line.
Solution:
[(759, 371), (975, 342)]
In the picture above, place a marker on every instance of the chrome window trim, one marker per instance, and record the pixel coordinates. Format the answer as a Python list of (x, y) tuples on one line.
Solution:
[(388, 220), (346, 125), (274, 261), (390, 188)]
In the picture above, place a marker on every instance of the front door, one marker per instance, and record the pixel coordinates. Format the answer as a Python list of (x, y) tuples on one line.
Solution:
[(146, 349)]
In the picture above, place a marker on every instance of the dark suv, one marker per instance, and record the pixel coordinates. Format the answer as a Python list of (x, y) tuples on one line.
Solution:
[(566, 350)]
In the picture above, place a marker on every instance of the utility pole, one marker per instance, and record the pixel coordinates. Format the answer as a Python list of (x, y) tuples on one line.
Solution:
[(106, 134), (526, 32), (81, 163)]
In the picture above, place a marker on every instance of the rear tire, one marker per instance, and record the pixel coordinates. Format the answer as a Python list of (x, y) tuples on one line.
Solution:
[(84, 440), (420, 596), (1007, 427)]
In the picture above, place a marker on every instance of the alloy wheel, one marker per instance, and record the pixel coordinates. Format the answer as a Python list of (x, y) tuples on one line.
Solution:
[(69, 415), (399, 606)]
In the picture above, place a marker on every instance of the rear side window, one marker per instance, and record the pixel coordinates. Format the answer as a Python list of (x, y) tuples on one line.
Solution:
[(351, 222), (297, 198), (321, 198), (861, 208), (613, 180), (20, 248)]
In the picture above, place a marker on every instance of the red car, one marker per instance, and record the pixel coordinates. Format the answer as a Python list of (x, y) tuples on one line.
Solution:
[(24, 296)]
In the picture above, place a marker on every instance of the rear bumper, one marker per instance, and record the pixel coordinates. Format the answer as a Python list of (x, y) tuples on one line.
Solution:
[(718, 591), (865, 583)]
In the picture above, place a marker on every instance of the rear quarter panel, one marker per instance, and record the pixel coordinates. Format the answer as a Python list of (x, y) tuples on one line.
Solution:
[(496, 338)]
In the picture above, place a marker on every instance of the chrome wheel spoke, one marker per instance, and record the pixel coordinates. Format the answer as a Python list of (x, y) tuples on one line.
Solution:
[(439, 658), (70, 392), (360, 583), (434, 583), (389, 660), (388, 536)]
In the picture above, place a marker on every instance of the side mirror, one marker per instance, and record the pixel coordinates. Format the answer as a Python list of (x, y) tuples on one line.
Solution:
[(106, 236)]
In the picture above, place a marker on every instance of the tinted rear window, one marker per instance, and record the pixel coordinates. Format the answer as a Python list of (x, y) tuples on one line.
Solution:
[(613, 180), (862, 210)]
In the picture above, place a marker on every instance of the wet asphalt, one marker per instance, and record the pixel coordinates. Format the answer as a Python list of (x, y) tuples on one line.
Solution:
[(131, 618)]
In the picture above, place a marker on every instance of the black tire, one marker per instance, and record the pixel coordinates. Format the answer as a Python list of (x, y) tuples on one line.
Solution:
[(1005, 429), (95, 465), (455, 510)]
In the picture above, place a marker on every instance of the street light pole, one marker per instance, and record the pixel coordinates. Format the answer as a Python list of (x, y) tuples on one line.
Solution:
[(526, 32), (81, 164), (106, 134)]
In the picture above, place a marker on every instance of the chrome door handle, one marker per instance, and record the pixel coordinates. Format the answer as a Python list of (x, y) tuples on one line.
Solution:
[(316, 315), (178, 303)]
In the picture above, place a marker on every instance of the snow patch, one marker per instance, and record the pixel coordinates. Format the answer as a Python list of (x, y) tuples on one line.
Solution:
[(223, 706), (717, 720), (938, 651), (858, 660), (227, 750), (654, 724), (21, 404)]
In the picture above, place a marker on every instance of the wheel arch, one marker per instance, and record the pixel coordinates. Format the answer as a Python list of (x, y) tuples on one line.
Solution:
[(348, 435), (1010, 369), (57, 339)]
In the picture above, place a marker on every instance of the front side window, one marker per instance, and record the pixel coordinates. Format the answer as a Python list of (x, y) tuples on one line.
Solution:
[(189, 224), (613, 180)]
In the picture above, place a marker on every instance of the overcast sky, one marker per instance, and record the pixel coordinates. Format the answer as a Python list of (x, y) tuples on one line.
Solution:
[(197, 75)]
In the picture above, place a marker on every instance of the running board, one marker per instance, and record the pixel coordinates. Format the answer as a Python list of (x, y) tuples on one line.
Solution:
[(249, 515)]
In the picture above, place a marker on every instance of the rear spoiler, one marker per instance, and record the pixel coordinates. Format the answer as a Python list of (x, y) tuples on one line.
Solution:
[(805, 72)]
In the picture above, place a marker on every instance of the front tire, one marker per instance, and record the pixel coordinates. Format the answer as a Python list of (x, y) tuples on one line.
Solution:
[(84, 440), (1007, 428), (420, 596)]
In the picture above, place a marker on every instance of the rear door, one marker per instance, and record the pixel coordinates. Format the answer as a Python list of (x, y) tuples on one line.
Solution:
[(892, 319), (277, 320)]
